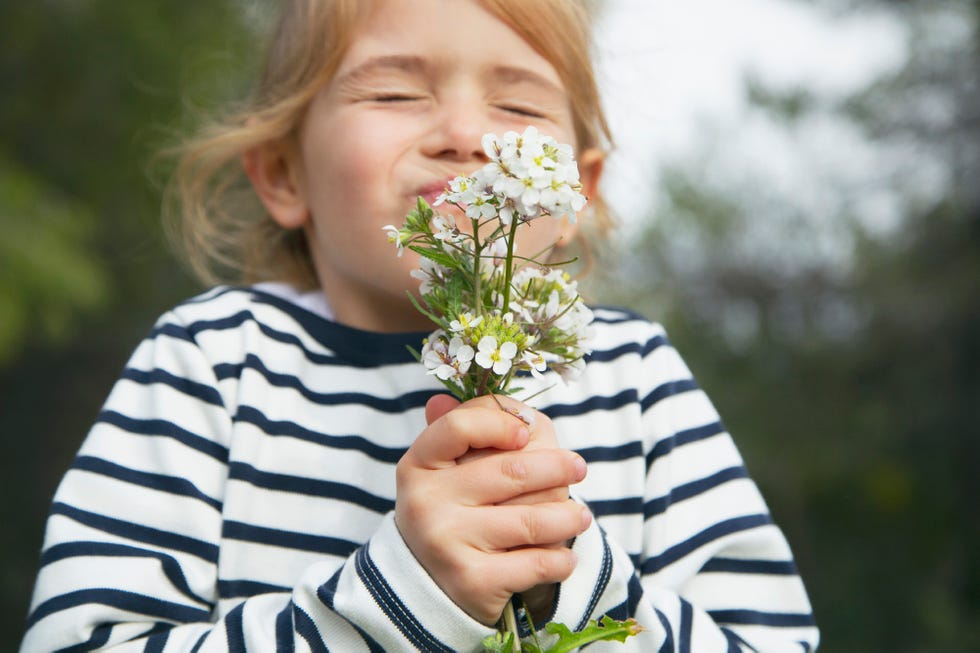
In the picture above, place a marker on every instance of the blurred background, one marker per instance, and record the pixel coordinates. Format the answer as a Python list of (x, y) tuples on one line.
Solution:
[(798, 186)]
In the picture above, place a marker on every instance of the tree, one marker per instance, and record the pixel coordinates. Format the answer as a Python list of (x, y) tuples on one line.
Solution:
[(843, 351), (91, 91)]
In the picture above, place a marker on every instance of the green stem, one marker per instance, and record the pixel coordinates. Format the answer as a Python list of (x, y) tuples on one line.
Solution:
[(477, 302), (509, 265)]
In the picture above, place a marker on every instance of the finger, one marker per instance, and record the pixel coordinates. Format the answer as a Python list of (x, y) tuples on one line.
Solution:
[(521, 569), (544, 524), (438, 406), (463, 428), (506, 475), (487, 582)]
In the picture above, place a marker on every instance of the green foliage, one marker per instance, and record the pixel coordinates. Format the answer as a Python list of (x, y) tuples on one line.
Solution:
[(92, 89), (851, 388), (564, 640), (50, 272)]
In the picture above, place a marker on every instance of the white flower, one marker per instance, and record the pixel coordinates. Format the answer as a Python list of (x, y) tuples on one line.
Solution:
[(444, 228), (489, 355), (444, 361), (396, 237), (430, 274), (464, 322), (535, 362), (481, 208)]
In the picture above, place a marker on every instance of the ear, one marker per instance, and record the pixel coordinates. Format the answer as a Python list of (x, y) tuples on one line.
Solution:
[(275, 175), (590, 164)]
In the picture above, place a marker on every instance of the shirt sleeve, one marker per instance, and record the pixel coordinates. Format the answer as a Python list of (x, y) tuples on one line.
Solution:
[(132, 543), (715, 573)]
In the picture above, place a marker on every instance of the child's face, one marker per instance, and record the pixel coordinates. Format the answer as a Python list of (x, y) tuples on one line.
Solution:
[(421, 83)]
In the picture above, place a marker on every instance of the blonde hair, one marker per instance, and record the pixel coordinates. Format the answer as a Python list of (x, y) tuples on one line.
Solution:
[(212, 213)]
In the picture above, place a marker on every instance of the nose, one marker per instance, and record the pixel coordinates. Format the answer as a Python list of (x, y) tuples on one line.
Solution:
[(456, 132)]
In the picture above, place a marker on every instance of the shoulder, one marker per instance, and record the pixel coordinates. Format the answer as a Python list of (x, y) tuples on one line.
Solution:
[(618, 331), (226, 302)]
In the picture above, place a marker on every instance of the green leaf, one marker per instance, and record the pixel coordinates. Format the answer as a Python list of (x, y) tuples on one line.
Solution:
[(437, 255), (499, 643), (608, 630)]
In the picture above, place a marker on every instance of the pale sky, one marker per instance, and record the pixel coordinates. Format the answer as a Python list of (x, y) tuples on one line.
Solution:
[(672, 77)]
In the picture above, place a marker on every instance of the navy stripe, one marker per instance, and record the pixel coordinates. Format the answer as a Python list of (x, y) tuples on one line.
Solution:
[(129, 601), (393, 607), (392, 405), (328, 590), (100, 635), (624, 398), (686, 626), (668, 645), (249, 415), (311, 487), (741, 566), (307, 629), (145, 534), (634, 595), (673, 554), (326, 594), (158, 642), (687, 436), (757, 618), (166, 429), (284, 630), (642, 350), (736, 643), (225, 371), (190, 388), (200, 642), (243, 589), (669, 389), (160, 482), (609, 507), (235, 629), (605, 573), (171, 330), (234, 530), (692, 489), (171, 568), (615, 454)]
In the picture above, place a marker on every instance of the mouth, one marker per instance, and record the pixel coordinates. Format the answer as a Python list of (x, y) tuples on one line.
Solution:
[(431, 191)]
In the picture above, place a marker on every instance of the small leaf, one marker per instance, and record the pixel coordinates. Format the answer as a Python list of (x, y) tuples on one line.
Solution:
[(437, 255), (609, 630)]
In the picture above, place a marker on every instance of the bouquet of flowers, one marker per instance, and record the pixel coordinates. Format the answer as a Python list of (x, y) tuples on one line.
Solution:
[(498, 313)]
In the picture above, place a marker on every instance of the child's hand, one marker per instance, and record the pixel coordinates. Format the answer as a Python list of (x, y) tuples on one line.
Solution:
[(488, 526)]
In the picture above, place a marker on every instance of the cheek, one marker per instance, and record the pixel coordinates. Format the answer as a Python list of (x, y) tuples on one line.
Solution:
[(540, 234)]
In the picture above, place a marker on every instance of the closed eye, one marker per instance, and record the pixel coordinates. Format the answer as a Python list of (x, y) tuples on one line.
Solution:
[(395, 97), (525, 112)]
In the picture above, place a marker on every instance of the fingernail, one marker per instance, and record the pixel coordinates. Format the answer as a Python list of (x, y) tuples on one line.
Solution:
[(586, 518), (580, 467)]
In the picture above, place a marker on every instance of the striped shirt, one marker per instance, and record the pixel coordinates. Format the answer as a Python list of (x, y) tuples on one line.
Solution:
[(236, 493)]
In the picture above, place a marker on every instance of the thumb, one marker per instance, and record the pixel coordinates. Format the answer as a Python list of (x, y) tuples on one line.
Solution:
[(438, 406)]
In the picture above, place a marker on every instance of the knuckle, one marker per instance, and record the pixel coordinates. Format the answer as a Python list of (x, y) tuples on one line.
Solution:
[(531, 526), (542, 567), (514, 469)]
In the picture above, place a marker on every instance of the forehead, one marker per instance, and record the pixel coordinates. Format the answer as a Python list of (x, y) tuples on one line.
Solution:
[(444, 33)]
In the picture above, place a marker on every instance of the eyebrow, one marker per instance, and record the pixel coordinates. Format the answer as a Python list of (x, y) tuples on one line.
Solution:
[(519, 75), (393, 62)]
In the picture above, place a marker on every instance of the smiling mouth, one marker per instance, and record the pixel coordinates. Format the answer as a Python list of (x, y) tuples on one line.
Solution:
[(430, 192)]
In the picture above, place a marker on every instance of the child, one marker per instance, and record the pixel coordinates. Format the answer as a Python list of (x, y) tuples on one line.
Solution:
[(275, 472)]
